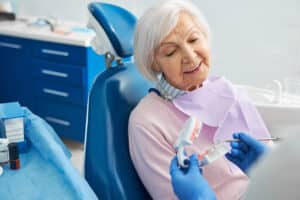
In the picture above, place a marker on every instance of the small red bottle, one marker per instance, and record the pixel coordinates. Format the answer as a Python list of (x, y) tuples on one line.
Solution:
[(14, 160)]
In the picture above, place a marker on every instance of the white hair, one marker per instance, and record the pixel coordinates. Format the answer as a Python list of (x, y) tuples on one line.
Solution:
[(154, 25)]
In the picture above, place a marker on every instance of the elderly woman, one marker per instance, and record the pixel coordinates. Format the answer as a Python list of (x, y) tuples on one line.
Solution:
[(172, 49)]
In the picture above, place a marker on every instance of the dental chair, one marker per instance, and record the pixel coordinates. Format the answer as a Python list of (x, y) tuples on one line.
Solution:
[(115, 92)]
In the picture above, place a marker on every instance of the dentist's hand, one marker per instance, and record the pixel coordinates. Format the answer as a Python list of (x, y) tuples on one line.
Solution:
[(188, 183), (246, 152)]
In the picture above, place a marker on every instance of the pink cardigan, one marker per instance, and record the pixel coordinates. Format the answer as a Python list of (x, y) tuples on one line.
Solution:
[(153, 129)]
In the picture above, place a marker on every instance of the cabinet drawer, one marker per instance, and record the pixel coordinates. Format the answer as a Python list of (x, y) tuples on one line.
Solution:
[(60, 92), (67, 120), (11, 45), (59, 73), (60, 53)]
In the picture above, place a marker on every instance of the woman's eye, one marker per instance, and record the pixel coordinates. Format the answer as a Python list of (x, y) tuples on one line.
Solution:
[(193, 40), (170, 53)]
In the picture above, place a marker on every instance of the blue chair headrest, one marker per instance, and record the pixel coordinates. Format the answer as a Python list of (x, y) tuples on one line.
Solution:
[(118, 24)]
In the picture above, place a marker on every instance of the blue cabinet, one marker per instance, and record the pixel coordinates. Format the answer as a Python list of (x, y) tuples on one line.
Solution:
[(12, 65), (52, 79)]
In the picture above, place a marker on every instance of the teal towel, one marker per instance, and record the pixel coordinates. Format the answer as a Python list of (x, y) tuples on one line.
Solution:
[(46, 171)]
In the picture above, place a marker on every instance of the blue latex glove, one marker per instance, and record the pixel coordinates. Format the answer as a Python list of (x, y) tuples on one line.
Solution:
[(246, 152), (189, 184)]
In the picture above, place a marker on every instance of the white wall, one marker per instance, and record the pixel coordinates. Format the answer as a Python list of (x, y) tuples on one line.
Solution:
[(253, 41)]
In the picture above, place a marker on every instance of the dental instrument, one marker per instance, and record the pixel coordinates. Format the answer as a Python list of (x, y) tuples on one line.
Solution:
[(188, 133), (277, 139)]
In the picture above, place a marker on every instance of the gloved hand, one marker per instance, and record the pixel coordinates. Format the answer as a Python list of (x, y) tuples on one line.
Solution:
[(188, 183), (246, 152)]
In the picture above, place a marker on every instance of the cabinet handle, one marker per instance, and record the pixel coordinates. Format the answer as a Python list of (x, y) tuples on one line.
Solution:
[(55, 52), (55, 92), (10, 45), (58, 121), (54, 73)]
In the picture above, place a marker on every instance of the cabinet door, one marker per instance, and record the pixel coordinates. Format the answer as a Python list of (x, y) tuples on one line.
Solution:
[(11, 58)]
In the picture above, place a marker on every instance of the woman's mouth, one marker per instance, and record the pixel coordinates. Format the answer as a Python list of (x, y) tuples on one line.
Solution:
[(193, 70)]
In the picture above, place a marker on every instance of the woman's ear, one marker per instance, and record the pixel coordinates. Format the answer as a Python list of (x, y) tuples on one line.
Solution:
[(155, 66)]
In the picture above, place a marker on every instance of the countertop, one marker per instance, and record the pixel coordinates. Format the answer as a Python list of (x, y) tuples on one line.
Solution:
[(65, 32)]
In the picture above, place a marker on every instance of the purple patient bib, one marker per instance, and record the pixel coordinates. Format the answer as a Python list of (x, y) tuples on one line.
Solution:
[(219, 104)]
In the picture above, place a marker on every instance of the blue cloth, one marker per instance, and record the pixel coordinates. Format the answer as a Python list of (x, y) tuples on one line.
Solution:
[(46, 172)]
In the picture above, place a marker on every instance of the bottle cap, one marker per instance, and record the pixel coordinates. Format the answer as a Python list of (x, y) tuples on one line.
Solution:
[(13, 151)]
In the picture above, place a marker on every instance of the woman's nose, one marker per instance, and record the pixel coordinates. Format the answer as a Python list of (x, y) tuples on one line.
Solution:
[(189, 56)]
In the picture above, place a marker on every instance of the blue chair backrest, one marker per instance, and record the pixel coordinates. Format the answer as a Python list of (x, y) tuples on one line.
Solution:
[(115, 92), (108, 167)]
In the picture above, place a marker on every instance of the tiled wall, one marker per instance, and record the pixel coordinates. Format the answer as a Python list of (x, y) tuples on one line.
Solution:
[(253, 41)]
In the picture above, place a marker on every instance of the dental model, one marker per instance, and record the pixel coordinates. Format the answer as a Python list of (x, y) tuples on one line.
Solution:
[(212, 154), (188, 133)]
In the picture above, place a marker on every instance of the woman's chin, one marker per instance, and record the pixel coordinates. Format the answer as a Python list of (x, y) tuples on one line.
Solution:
[(193, 87), (196, 85)]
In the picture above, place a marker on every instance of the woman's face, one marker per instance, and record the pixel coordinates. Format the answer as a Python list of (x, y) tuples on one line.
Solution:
[(184, 55)]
